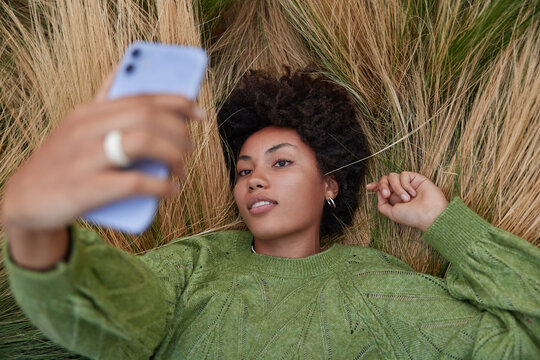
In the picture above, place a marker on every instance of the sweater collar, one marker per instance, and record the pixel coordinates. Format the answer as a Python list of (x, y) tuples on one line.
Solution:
[(288, 267)]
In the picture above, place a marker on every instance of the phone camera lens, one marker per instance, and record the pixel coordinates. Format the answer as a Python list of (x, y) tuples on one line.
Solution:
[(136, 53), (130, 68)]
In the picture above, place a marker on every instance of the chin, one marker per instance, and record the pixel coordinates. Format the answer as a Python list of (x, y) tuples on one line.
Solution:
[(265, 234), (268, 231)]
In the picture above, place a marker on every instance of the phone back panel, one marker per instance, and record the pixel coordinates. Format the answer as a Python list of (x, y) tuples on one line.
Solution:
[(149, 68)]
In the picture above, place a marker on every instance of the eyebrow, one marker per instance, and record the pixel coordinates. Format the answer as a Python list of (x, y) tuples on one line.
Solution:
[(269, 151)]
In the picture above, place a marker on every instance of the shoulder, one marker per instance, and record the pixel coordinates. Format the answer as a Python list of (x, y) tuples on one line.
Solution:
[(221, 242), (373, 271), (210, 249), (358, 258)]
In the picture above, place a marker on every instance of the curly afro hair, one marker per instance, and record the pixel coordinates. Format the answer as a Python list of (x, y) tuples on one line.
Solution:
[(320, 111)]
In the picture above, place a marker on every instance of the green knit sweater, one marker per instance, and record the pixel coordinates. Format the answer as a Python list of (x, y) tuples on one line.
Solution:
[(211, 297)]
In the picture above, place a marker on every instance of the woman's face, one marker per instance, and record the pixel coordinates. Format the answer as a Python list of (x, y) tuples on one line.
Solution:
[(280, 190)]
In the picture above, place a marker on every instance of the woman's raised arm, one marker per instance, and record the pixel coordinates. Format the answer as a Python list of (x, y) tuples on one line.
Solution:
[(493, 270), (70, 174), (99, 301)]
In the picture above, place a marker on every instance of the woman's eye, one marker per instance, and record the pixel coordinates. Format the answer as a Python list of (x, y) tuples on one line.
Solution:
[(281, 163), (244, 172)]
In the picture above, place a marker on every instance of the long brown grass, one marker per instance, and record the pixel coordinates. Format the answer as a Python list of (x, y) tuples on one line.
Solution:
[(256, 35)]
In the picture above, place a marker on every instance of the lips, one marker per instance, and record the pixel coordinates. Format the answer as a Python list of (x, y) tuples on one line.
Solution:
[(259, 201)]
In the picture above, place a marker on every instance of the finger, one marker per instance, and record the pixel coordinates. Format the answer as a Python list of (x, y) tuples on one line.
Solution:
[(142, 144), (102, 93), (175, 103), (405, 178), (394, 180), (147, 104), (372, 186), (195, 111), (161, 122), (136, 145), (111, 186), (395, 199), (417, 180), (384, 187), (384, 206)]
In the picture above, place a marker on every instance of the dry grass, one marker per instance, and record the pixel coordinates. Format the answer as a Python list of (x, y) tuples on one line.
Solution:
[(256, 34), (498, 159)]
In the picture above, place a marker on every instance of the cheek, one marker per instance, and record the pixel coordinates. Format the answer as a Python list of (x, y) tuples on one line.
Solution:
[(239, 193), (305, 192)]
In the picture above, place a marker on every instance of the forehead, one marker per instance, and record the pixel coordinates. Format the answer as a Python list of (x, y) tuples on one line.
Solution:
[(271, 136)]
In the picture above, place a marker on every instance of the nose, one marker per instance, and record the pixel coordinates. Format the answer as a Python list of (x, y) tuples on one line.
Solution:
[(257, 181)]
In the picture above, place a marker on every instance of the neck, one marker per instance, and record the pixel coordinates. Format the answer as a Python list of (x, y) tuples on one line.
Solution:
[(292, 246)]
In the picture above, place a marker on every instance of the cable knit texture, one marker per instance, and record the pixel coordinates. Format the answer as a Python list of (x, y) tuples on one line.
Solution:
[(211, 297)]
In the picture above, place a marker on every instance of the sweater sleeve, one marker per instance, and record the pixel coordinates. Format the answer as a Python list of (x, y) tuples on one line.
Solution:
[(101, 302), (498, 273)]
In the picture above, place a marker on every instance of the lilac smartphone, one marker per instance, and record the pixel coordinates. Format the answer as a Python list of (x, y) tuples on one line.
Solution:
[(149, 68)]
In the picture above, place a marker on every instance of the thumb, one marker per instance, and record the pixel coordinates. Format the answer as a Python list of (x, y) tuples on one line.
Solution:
[(101, 94)]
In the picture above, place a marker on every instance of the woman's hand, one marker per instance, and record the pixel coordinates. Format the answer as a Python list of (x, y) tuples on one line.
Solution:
[(409, 198), (70, 174)]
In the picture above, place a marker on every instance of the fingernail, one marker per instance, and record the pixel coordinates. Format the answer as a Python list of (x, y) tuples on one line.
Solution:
[(385, 192), (412, 192), (200, 113), (405, 197)]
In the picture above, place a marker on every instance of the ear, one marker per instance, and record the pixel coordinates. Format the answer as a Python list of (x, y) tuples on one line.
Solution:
[(331, 187)]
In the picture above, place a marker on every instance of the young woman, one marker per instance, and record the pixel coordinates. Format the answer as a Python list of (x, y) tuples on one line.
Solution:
[(269, 292)]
